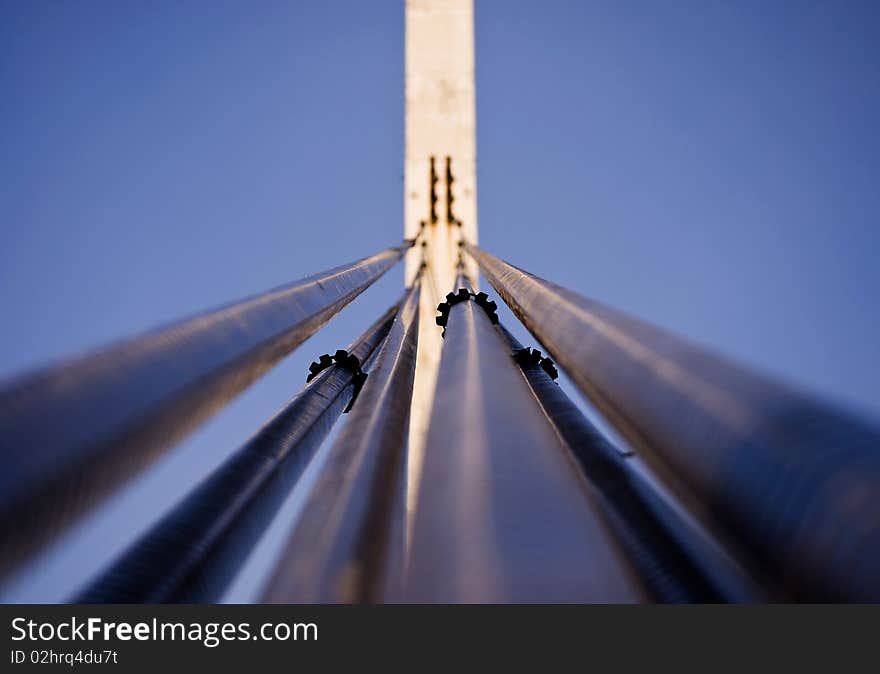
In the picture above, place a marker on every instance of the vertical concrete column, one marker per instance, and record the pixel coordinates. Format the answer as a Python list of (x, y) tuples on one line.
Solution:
[(440, 124)]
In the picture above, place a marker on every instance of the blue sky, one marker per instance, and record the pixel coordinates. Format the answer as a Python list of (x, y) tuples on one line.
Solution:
[(709, 166)]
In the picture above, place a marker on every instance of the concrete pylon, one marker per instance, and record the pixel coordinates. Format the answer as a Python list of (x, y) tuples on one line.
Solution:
[(440, 163)]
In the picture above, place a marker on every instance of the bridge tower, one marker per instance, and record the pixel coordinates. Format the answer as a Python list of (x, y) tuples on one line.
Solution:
[(440, 198)]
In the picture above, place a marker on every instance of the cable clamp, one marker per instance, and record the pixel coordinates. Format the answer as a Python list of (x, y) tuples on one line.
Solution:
[(527, 357), (482, 300), (464, 295), (344, 359)]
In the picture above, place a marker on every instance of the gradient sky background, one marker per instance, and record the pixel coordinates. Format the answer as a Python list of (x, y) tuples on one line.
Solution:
[(709, 166)]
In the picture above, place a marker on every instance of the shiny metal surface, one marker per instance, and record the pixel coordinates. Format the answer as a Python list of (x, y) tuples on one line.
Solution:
[(192, 553), (793, 483), (674, 564), (503, 514), (72, 432), (347, 545)]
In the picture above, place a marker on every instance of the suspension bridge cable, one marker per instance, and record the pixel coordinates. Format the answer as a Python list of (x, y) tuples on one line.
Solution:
[(791, 483), (347, 545), (72, 432), (192, 553)]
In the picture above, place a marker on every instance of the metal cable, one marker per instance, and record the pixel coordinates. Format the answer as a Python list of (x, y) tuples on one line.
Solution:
[(72, 432)]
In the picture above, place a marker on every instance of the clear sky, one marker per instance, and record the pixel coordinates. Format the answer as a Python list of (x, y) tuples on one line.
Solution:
[(710, 166)]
